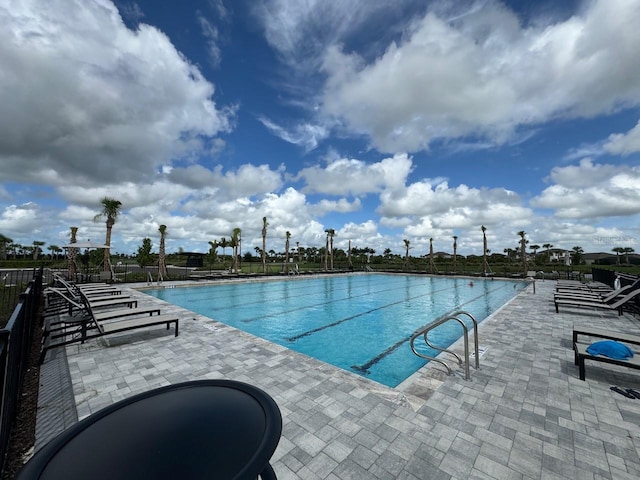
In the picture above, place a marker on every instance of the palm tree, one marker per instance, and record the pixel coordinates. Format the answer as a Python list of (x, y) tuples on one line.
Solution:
[(264, 244), (331, 233), (224, 243), (349, 262), (286, 252), (236, 245), (432, 266), (576, 256), (627, 251), (326, 252), (548, 247), (162, 267), (455, 254), (110, 210), (535, 249), (36, 248), (485, 265), (213, 252), (72, 253), (523, 254), (4, 241), (406, 254), (55, 250), (618, 251)]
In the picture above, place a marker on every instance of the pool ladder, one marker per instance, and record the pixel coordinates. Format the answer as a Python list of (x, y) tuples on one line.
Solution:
[(424, 332)]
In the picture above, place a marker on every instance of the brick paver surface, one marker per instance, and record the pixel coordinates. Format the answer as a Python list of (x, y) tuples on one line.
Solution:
[(524, 415)]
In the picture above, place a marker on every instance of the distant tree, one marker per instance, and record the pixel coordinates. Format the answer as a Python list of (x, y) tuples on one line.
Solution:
[(36, 248), (162, 265), (224, 243), (55, 251), (618, 251), (213, 252), (286, 252), (110, 211), (72, 253), (235, 239), (144, 256), (576, 256), (548, 247), (406, 254), (523, 250), (485, 265), (432, 266), (4, 242), (627, 251), (455, 254), (330, 234), (326, 252), (264, 244)]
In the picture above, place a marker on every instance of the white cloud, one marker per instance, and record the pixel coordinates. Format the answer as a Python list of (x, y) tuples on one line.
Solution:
[(84, 98), (212, 35), (16, 219), (590, 191), (305, 135), (344, 176), (342, 206), (486, 75), (624, 144)]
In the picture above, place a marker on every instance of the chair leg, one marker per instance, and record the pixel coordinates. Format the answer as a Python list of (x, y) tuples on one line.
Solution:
[(268, 473)]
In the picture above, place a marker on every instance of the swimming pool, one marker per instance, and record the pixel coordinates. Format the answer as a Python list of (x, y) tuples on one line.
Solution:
[(361, 323)]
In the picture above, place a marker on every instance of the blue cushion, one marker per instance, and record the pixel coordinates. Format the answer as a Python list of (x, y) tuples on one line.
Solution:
[(611, 349)]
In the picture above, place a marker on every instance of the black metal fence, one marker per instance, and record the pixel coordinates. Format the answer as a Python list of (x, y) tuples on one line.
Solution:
[(608, 277), (15, 344)]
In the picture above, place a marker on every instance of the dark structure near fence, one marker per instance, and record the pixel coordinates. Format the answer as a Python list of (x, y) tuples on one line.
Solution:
[(194, 259), (15, 344), (608, 277)]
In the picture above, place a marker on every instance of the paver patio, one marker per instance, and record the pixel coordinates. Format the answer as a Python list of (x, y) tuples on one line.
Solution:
[(524, 415)]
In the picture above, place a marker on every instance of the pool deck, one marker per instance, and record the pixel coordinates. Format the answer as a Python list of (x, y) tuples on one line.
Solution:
[(524, 415)]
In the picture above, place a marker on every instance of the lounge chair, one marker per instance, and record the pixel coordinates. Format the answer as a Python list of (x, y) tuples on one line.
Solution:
[(626, 301), (91, 325), (75, 325), (89, 288), (59, 301), (605, 297), (581, 354)]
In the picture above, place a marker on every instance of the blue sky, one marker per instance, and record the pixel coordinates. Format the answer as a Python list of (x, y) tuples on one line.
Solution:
[(383, 120)]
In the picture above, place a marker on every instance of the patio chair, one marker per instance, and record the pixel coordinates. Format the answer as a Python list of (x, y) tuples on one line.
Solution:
[(59, 301), (595, 296), (91, 325), (89, 288), (627, 301)]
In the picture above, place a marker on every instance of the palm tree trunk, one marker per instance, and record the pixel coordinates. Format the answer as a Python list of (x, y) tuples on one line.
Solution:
[(107, 251)]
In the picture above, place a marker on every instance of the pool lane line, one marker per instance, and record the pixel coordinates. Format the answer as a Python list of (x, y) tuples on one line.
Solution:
[(364, 368), (305, 307), (351, 317), (271, 292)]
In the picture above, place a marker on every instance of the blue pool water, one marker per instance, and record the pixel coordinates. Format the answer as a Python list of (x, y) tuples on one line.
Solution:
[(360, 323)]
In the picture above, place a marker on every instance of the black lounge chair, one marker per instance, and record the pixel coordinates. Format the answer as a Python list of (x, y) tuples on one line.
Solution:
[(92, 325), (604, 297), (59, 301), (581, 354), (627, 301)]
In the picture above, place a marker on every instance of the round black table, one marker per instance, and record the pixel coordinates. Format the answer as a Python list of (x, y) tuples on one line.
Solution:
[(214, 429)]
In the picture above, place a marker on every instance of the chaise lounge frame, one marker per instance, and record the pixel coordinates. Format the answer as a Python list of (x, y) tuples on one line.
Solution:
[(581, 354)]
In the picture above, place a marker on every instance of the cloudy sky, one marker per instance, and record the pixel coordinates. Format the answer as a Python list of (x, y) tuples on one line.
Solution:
[(383, 120)]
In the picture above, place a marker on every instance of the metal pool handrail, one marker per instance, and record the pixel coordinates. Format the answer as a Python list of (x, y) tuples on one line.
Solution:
[(436, 323)]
